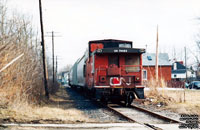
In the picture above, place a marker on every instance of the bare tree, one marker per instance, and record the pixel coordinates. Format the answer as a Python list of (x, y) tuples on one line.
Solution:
[(23, 80), (197, 53)]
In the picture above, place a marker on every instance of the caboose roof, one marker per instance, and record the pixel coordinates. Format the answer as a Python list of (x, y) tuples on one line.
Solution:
[(110, 41)]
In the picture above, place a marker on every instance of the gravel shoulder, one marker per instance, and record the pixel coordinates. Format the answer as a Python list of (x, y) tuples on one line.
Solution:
[(91, 110)]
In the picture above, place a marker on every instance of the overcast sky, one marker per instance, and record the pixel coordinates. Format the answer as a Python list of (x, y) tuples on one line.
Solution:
[(79, 21)]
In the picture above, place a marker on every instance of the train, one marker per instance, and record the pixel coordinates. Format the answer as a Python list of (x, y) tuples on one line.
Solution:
[(109, 70)]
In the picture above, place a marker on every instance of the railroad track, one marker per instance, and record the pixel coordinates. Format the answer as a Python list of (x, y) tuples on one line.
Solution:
[(135, 114), (141, 116), (167, 119)]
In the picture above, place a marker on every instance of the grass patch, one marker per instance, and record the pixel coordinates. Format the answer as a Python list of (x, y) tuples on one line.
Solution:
[(188, 104), (57, 110), (179, 101)]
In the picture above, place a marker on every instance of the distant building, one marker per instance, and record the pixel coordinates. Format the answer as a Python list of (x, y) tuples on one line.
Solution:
[(164, 66), (179, 71), (63, 77)]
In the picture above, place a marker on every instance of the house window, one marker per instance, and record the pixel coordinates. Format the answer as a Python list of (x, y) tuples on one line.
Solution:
[(144, 74), (175, 66)]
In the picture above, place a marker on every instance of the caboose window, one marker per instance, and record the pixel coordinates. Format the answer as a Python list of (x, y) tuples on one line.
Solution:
[(132, 62), (113, 59), (124, 45)]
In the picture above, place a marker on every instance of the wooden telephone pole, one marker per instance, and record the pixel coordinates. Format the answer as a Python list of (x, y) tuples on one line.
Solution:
[(56, 66), (52, 36), (43, 52), (156, 67), (53, 53), (185, 71), (186, 65)]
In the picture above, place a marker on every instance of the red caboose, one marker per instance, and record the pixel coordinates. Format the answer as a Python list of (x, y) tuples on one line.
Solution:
[(112, 69)]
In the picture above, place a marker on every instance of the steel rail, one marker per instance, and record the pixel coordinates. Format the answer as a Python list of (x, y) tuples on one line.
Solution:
[(107, 107), (132, 120), (120, 114), (155, 114)]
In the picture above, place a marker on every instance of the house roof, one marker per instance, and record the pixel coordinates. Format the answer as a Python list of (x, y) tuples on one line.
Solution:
[(178, 66), (149, 59)]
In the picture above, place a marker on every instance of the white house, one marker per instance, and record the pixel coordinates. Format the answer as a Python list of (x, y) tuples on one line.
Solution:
[(179, 71)]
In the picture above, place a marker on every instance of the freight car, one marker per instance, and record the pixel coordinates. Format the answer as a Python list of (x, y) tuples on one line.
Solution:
[(110, 70)]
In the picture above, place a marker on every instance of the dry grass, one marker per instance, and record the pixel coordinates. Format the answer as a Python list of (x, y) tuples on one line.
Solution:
[(58, 110), (22, 94), (42, 115), (21, 84), (180, 101), (155, 96), (21, 81), (190, 103)]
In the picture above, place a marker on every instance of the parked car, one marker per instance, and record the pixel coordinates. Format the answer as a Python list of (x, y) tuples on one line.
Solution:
[(194, 85)]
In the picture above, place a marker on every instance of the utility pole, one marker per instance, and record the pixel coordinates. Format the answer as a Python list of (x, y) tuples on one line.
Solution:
[(53, 53), (43, 52), (146, 47), (56, 65), (185, 71), (156, 67), (186, 65), (52, 36)]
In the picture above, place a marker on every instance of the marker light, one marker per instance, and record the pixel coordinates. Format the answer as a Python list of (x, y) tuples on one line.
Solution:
[(115, 80)]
